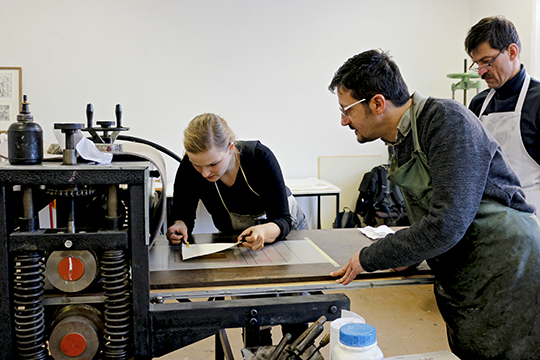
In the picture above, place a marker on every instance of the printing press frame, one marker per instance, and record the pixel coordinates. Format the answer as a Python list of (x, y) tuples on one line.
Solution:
[(152, 329)]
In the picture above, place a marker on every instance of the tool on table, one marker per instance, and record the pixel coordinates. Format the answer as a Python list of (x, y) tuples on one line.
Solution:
[(184, 240), (303, 348), (242, 239), (300, 346), (280, 347), (304, 341), (324, 341)]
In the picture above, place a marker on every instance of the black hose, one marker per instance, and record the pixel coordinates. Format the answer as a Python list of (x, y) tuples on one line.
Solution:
[(153, 144), (155, 226)]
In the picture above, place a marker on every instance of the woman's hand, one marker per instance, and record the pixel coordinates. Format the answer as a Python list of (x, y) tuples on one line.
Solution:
[(349, 271), (256, 236), (177, 233)]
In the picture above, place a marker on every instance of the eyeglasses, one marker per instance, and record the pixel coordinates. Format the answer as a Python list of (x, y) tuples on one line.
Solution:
[(477, 67), (344, 110)]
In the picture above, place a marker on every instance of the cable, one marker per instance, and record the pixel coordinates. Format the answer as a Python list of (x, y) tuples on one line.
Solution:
[(153, 144)]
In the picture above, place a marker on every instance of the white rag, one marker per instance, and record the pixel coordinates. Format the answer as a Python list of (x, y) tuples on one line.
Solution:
[(376, 233), (85, 147)]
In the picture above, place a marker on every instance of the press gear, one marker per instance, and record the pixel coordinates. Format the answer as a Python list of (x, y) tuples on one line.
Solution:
[(481, 301)]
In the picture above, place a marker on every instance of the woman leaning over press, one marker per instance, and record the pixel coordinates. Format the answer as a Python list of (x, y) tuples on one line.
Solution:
[(239, 182)]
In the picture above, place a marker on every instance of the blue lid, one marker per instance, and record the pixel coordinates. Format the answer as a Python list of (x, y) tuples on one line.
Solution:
[(357, 335)]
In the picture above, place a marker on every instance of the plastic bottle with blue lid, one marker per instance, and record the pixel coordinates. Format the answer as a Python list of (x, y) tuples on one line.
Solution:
[(357, 342)]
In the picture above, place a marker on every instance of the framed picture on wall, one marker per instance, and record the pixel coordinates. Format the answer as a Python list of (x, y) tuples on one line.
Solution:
[(10, 95)]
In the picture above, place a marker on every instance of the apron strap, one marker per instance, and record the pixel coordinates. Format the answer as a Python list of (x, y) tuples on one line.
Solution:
[(249, 186), (486, 102), (523, 93), (415, 131), (221, 197), (521, 99), (245, 178)]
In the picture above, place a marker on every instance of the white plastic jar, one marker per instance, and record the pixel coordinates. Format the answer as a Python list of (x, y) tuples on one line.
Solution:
[(357, 342)]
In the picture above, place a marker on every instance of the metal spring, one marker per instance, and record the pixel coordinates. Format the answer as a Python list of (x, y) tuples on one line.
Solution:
[(117, 288), (29, 312)]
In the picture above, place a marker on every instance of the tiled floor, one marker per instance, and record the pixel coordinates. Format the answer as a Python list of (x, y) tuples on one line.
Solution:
[(406, 318)]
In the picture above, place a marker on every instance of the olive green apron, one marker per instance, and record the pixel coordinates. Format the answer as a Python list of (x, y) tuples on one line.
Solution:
[(487, 286)]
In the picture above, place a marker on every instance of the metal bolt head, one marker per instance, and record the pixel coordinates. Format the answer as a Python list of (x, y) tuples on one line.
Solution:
[(253, 312), (333, 309), (68, 244)]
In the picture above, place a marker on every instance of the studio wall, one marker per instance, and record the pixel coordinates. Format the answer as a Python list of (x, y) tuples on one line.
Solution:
[(262, 65)]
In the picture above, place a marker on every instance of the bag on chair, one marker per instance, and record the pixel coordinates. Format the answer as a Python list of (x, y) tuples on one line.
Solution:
[(346, 219), (381, 198)]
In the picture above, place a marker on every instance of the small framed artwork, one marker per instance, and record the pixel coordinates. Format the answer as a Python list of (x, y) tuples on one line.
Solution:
[(10, 95)]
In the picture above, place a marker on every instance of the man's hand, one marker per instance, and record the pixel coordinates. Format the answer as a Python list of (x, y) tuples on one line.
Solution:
[(349, 271)]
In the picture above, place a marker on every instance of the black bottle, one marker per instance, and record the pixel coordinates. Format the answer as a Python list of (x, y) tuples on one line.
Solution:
[(25, 139)]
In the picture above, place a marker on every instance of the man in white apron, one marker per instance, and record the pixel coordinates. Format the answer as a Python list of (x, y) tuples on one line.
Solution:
[(510, 108)]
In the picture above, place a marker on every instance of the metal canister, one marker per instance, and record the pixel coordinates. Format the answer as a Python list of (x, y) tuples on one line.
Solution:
[(25, 139)]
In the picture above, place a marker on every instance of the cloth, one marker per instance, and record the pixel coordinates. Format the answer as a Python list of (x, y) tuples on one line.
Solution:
[(482, 242), (264, 174), (506, 98), (376, 233)]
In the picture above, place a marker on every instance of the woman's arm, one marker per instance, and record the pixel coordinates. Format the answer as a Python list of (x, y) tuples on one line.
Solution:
[(186, 195), (266, 178)]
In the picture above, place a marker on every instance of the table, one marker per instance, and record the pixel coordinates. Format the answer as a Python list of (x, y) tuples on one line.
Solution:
[(264, 282), (314, 187), (337, 244)]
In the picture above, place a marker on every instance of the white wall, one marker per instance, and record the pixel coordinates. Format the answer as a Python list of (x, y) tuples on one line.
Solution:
[(263, 65)]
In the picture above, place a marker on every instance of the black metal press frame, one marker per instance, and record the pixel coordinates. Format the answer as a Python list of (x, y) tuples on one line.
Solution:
[(157, 329)]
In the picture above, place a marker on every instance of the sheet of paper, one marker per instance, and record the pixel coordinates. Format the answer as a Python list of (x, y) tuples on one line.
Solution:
[(164, 257), (196, 250)]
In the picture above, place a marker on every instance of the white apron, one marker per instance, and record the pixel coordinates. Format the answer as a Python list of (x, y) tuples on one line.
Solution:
[(505, 127)]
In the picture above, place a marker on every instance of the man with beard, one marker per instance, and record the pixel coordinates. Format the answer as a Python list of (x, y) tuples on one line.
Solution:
[(469, 217), (510, 108)]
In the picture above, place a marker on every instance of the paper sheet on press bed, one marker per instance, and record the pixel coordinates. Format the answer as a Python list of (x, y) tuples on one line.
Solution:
[(163, 257)]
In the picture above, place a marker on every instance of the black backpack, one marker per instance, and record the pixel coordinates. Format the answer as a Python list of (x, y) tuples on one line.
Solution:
[(380, 198), (346, 219)]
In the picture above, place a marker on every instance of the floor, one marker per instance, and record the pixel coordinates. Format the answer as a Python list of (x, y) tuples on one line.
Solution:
[(406, 318)]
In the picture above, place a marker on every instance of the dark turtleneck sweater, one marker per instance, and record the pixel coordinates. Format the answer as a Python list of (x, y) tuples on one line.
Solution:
[(505, 99)]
